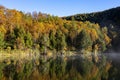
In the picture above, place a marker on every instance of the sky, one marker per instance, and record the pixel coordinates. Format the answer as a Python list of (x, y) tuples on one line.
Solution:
[(60, 7)]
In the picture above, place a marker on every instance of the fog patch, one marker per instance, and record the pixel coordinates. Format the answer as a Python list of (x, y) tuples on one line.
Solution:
[(114, 57)]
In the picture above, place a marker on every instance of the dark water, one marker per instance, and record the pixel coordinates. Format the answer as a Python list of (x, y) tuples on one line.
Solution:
[(75, 67), (114, 72)]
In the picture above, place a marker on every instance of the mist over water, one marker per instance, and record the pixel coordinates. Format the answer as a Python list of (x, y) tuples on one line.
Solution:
[(105, 66), (114, 57)]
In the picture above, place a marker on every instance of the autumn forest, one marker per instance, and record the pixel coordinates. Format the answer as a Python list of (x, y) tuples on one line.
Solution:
[(20, 30), (40, 46)]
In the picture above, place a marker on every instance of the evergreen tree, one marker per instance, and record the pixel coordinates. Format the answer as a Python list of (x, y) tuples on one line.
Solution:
[(61, 40), (10, 39), (83, 40), (28, 40), (2, 42), (20, 34), (52, 40)]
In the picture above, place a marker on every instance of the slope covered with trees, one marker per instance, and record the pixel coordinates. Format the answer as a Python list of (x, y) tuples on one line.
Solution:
[(20, 30), (109, 19)]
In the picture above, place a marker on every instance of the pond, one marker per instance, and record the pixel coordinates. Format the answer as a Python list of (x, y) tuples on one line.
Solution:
[(75, 67)]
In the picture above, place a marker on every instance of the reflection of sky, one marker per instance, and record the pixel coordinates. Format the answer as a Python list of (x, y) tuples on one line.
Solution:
[(60, 7)]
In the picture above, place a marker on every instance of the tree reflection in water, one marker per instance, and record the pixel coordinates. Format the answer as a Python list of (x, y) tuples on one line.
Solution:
[(58, 68)]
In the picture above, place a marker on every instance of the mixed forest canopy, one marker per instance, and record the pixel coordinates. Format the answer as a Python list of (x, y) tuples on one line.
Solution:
[(19, 30), (109, 19), (37, 46)]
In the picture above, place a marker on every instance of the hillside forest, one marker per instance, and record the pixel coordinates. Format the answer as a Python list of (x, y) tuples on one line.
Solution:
[(19, 30), (109, 19), (40, 46)]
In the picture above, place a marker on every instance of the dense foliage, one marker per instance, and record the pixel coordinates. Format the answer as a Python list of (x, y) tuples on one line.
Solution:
[(29, 34), (20, 30), (109, 18)]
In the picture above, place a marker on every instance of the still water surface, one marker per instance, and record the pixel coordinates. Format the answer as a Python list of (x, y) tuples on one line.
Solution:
[(76, 67)]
